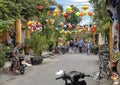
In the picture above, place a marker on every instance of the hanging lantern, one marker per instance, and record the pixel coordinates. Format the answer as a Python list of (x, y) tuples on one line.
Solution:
[(78, 27), (90, 13), (40, 7), (54, 14), (47, 20), (49, 12), (62, 24), (68, 8), (57, 29), (70, 26), (28, 23), (77, 14), (70, 12), (52, 8), (93, 30), (84, 13), (84, 7), (65, 15), (52, 21), (94, 26), (86, 27), (80, 30), (81, 14), (56, 11)]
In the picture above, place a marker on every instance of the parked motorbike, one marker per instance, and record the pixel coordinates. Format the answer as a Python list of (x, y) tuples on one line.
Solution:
[(22, 64), (72, 77), (116, 72)]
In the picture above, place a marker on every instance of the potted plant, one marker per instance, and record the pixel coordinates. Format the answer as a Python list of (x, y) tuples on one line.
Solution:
[(37, 43), (95, 50)]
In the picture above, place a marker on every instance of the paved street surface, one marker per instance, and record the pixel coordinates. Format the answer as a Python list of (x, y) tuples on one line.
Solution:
[(44, 74)]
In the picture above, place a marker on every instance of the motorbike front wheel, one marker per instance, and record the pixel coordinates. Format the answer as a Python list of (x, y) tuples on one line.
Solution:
[(22, 70)]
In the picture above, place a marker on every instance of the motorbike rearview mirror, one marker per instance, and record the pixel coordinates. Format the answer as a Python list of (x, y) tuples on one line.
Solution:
[(59, 72)]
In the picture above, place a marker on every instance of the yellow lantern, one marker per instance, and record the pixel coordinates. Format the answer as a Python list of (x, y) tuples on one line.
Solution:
[(54, 14), (56, 11), (28, 23), (80, 30), (84, 7), (63, 13)]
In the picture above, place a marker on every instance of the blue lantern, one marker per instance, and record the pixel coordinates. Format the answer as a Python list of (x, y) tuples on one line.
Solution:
[(52, 8)]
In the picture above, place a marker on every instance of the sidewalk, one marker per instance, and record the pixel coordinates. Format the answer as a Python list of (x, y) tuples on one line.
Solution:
[(6, 76)]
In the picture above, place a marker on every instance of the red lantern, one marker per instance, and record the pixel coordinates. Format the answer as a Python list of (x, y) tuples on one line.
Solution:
[(40, 7), (65, 15), (90, 13), (81, 14), (93, 30)]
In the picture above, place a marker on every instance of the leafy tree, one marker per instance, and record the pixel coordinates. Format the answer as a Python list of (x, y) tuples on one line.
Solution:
[(73, 19), (101, 16)]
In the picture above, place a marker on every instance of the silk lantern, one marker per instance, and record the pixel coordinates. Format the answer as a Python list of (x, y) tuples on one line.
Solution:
[(65, 15), (77, 14), (68, 8), (90, 13), (84, 13), (52, 8), (40, 7), (81, 14), (78, 27), (84, 7)]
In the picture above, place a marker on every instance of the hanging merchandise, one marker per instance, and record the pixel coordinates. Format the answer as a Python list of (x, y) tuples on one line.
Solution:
[(56, 11), (63, 13)]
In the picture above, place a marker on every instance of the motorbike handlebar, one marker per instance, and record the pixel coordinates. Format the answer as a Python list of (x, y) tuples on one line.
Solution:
[(58, 78)]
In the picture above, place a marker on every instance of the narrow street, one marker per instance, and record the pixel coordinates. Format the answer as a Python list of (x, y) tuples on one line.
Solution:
[(44, 74)]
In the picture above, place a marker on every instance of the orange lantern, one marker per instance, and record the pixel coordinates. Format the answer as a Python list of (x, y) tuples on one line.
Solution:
[(70, 12), (90, 13), (84, 7), (78, 27), (81, 14), (70, 26), (94, 26), (62, 24), (47, 20)]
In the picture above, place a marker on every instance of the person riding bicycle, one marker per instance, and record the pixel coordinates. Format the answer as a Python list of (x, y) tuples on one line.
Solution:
[(15, 58)]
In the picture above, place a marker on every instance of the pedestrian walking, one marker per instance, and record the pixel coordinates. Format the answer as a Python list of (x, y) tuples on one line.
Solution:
[(80, 45)]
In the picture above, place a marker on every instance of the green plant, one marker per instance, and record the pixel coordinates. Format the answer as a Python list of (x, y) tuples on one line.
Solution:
[(37, 43), (2, 56), (95, 50)]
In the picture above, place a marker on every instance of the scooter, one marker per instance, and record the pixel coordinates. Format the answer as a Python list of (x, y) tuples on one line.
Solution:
[(72, 77), (22, 64)]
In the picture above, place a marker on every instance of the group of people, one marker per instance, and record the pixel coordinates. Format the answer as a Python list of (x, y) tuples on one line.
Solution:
[(79, 46)]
